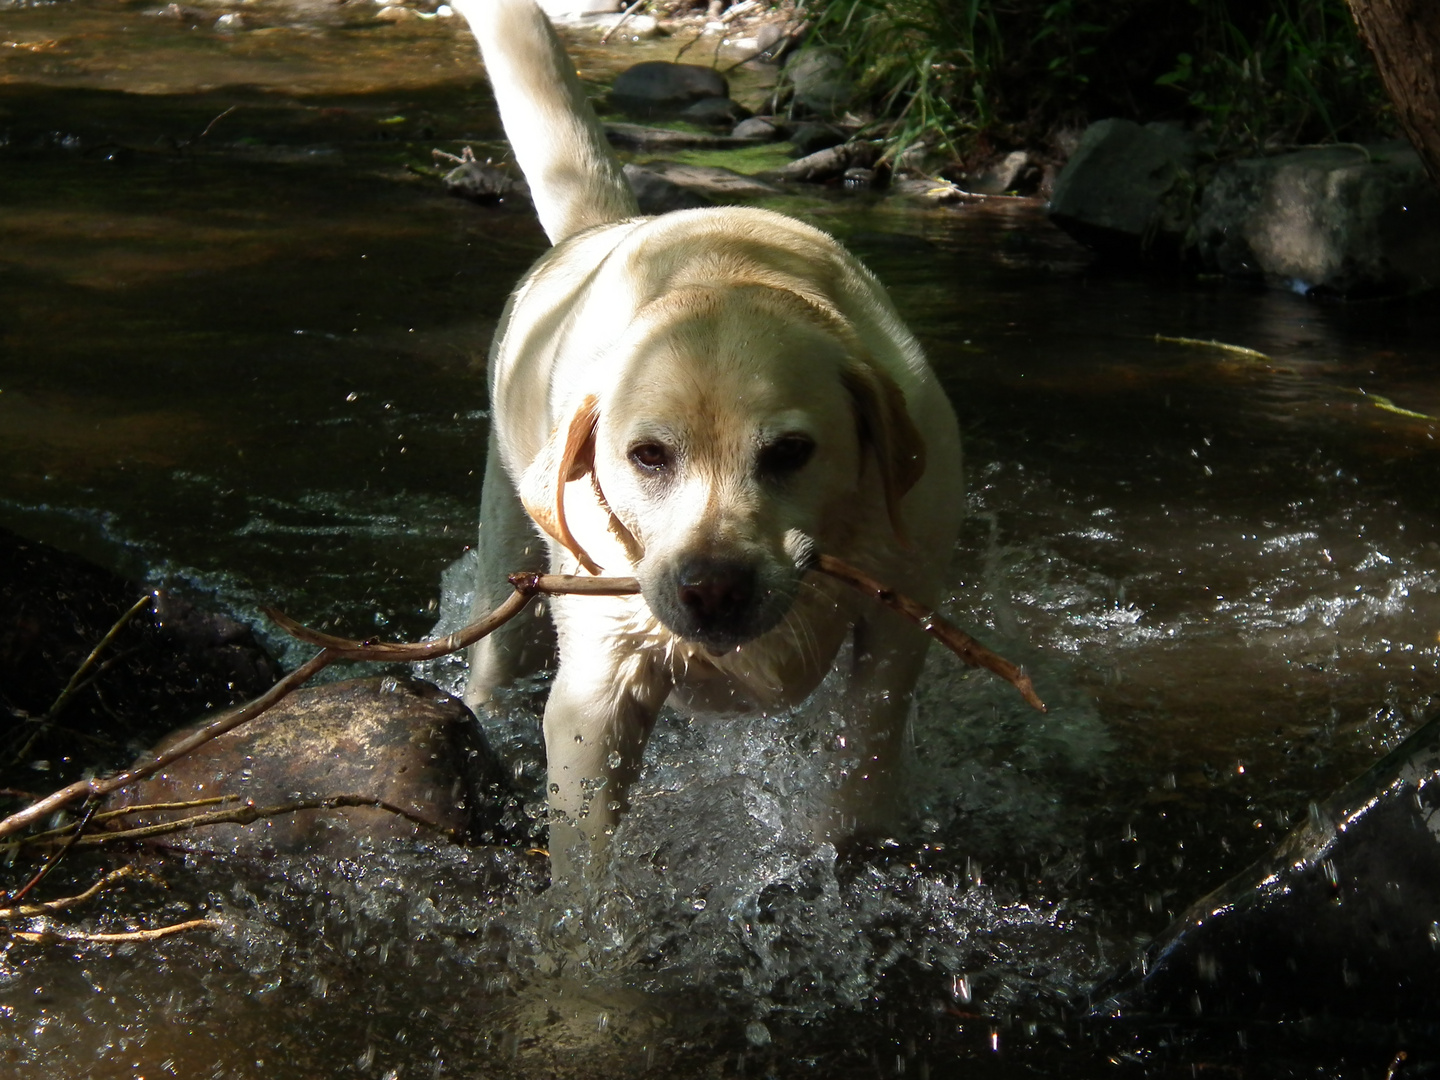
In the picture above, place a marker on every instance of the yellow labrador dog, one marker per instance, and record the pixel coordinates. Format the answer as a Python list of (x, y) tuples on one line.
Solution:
[(702, 400)]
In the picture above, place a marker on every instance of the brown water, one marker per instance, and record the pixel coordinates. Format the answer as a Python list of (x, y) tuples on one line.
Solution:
[(237, 331)]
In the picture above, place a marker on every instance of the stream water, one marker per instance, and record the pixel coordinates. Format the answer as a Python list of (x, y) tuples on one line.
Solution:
[(239, 332)]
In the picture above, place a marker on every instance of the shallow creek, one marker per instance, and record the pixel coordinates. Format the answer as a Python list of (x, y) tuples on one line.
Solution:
[(238, 341)]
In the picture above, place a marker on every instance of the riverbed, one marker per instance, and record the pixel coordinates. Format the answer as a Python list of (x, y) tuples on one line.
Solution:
[(242, 331)]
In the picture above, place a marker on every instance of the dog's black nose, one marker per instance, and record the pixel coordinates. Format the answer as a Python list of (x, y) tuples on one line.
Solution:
[(717, 593)]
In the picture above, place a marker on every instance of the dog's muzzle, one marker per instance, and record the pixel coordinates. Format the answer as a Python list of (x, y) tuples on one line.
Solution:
[(720, 603)]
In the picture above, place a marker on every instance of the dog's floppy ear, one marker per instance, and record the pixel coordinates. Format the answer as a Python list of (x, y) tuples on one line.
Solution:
[(885, 426), (567, 455)]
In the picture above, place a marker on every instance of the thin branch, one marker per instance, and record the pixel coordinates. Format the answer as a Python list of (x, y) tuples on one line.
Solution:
[(66, 902), (74, 686), (108, 815), (624, 18), (48, 937), (97, 787), (61, 850), (241, 815), (937, 626)]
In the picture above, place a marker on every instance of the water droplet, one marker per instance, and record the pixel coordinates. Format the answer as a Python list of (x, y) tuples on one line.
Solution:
[(960, 989), (613, 759), (698, 904), (756, 1033)]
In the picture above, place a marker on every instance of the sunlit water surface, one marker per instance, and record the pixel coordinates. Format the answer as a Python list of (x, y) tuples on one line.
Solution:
[(238, 357)]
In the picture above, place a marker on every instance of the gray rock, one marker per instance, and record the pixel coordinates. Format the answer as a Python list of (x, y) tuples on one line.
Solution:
[(659, 86), (820, 80), (710, 181), (1014, 173), (716, 112), (812, 138), (404, 743), (759, 128), (1338, 921), (1335, 220), (1128, 189), (657, 195)]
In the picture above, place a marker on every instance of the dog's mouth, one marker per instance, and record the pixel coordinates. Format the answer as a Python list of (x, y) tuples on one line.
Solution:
[(719, 603)]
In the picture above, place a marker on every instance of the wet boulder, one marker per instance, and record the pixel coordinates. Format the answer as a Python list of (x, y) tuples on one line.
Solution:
[(167, 661), (1127, 190), (1344, 220), (659, 87), (403, 743), (1340, 921)]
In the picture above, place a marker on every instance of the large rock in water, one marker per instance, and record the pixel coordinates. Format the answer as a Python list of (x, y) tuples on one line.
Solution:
[(404, 743), (1126, 191), (821, 81), (657, 87), (1342, 219), (1339, 924)]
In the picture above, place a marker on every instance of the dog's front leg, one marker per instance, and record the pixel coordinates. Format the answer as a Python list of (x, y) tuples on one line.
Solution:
[(869, 755), (602, 706)]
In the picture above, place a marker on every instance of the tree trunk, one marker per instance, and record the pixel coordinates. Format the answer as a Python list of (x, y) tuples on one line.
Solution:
[(1404, 38)]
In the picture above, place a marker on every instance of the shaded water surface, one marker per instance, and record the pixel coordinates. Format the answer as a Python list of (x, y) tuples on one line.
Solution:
[(239, 327)]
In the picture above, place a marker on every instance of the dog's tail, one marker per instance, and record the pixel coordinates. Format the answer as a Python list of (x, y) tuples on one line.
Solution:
[(575, 180)]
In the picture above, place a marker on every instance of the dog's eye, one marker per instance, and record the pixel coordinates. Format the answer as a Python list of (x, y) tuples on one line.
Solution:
[(650, 457), (786, 455)]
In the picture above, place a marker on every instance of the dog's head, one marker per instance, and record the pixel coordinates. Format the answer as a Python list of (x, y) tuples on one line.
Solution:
[(743, 427)]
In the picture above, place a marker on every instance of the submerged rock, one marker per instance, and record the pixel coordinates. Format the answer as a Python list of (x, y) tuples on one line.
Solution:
[(1341, 920), (1339, 219), (404, 743), (1127, 191)]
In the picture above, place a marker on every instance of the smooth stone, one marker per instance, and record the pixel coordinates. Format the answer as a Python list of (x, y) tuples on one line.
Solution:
[(659, 86), (402, 742)]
